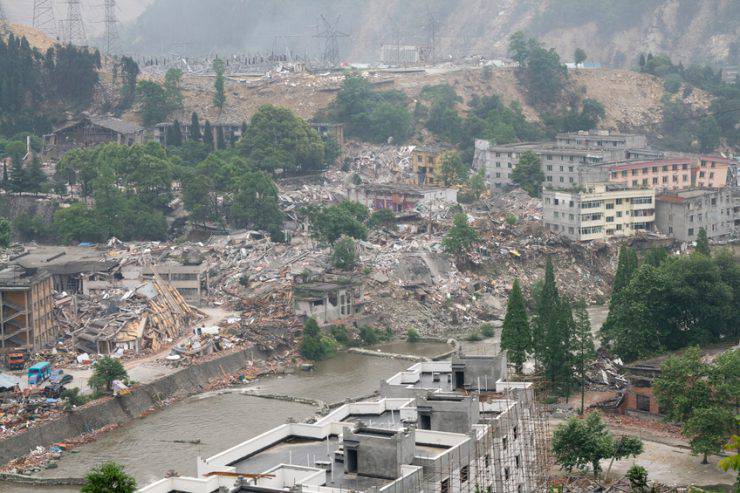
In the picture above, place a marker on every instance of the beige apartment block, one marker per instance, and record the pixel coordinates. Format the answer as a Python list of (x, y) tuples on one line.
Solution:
[(599, 211)]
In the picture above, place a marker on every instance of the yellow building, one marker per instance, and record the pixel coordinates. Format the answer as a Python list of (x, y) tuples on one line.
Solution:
[(426, 164), (601, 211)]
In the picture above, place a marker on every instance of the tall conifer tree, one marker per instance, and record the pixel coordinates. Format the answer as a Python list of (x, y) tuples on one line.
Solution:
[(516, 338)]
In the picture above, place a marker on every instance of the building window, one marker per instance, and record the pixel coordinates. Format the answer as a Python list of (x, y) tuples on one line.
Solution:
[(464, 473), (655, 180), (506, 473), (505, 442), (665, 179), (487, 460), (516, 435), (549, 167), (519, 489), (643, 403), (691, 231), (609, 205), (518, 461), (444, 486)]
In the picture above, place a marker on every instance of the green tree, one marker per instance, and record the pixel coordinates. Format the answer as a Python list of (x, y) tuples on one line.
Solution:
[(208, 134), (174, 134), (702, 243), (219, 96), (462, 238), (528, 173), (108, 478), (195, 134), (314, 346), (78, 223), (35, 176), (452, 170), (583, 347), (656, 255), (579, 56), (477, 183), (155, 107), (626, 267), (638, 478), (344, 254), (708, 429), (583, 441), (546, 306), (329, 223), (277, 139), (382, 218), (516, 338), (5, 233), (256, 202), (173, 93), (557, 361), (106, 370)]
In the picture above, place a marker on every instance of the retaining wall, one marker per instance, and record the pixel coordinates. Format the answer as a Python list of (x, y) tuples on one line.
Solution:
[(119, 410)]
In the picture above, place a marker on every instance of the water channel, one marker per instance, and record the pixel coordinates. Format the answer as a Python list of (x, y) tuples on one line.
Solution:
[(147, 447)]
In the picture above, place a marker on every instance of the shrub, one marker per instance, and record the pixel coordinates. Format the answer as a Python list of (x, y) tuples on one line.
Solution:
[(344, 254), (474, 336), (511, 219), (638, 477), (340, 334), (487, 330), (412, 335), (672, 83), (369, 335)]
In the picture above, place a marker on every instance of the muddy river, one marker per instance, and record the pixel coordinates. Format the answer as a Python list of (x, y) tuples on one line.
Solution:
[(148, 449)]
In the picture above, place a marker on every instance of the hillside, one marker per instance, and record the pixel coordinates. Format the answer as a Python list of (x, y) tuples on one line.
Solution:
[(630, 99), (613, 33)]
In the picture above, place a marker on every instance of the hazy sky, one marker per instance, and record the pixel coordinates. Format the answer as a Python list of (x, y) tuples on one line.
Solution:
[(21, 11)]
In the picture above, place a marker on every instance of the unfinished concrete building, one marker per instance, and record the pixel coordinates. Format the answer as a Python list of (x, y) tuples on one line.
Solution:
[(434, 428), (26, 306)]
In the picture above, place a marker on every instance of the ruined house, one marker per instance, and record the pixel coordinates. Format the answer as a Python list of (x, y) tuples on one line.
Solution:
[(328, 302), (90, 131), (400, 197)]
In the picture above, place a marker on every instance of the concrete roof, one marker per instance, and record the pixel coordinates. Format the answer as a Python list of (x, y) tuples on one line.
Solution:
[(65, 260)]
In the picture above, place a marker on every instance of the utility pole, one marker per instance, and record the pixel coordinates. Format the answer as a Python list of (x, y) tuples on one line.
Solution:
[(432, 24), (74, 27), (331, 36), (111, 26), (43, 17)]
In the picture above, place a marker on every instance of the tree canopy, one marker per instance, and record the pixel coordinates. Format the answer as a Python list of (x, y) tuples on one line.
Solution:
[(528, 173)]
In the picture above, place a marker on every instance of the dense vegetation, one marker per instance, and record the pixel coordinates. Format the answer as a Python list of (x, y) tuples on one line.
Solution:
[(703, 396), (681, 301), (36, 88), (375, 116), (683, 128)]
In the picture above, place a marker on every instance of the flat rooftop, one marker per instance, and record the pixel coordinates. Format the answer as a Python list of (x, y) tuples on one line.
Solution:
[(306, 452), (387, 419), (65, 260)]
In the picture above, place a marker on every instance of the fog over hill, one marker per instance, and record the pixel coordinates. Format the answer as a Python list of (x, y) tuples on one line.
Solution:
[(613, 33)]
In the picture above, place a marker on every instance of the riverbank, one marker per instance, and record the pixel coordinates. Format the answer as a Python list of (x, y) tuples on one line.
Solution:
[(142, 400)]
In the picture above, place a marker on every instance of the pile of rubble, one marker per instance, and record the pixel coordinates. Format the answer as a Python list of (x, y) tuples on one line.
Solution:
[(19, 410), (146, 317)]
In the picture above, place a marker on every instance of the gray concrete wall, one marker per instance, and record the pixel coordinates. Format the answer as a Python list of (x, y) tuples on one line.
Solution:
[(452, 416), (120, 410), (382, 456), (485, 370)]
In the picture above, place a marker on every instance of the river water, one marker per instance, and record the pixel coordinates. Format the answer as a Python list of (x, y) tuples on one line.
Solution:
[(147, 449)]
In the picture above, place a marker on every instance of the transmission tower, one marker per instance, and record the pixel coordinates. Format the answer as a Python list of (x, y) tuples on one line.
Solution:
[(111, 26), (331, 36), (43, 17), (74, 27), (3, 20)]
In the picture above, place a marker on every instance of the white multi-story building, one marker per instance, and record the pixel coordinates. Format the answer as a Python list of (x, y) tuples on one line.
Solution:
[(438, 427), (600, 211)]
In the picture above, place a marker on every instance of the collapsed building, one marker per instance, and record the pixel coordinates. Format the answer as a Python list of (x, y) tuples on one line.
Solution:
[(401, 197), (90, 131), (440, 426), (328, 302)]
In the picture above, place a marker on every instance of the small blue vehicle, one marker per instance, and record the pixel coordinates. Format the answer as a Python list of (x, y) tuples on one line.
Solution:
[(39, 372)]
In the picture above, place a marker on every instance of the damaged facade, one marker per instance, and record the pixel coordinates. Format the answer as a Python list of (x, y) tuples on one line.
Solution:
[(328, 302), (400, 197), (26, 305), (440, 426)]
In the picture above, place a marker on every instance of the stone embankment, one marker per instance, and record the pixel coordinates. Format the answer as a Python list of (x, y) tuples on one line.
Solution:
[(141, 401)]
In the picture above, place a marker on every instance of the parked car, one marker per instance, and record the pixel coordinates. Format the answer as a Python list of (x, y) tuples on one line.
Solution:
[(53, 391), (58, 376)]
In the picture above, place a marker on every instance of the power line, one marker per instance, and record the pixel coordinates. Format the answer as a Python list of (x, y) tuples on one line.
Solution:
[(331, 36), (43, 17), (111, 26), (74, 27)]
